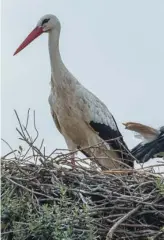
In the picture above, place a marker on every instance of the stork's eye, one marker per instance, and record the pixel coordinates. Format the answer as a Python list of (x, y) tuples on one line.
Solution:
[(45, 21)]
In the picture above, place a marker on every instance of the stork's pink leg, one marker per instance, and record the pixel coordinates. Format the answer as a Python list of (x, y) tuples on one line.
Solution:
[(73, 161)]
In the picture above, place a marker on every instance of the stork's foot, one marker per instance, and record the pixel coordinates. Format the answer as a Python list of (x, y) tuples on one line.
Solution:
[(73, 162)]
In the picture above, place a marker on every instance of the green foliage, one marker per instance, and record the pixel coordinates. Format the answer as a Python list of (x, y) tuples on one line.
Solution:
[(31, 220)]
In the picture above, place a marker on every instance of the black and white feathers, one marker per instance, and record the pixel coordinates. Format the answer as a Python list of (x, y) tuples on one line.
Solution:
[(105, 125), (152, 144), (82, 119), (153, 149), (85, 122)]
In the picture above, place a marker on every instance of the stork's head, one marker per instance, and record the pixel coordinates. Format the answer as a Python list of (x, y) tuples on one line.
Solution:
[(46, 24), (49, 22)]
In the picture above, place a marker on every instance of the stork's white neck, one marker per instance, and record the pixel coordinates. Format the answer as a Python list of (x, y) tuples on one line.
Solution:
[(57, 66), (62, 80)]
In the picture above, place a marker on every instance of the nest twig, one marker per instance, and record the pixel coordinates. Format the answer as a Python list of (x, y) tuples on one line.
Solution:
[(44, 198)]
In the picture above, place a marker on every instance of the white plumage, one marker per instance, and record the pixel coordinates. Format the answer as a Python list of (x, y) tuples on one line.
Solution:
[(79, 115)]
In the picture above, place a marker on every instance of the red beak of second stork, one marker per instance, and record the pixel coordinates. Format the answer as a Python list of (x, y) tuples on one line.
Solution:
[(34, 34)]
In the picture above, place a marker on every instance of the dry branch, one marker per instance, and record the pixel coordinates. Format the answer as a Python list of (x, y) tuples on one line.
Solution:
[(44, 198)]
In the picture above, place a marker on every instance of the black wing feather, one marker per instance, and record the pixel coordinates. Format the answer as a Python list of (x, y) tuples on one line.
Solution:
[(150, 150), (115, 140)]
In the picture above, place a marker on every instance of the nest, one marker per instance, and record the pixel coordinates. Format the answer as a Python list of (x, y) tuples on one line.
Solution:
[(45, 199)]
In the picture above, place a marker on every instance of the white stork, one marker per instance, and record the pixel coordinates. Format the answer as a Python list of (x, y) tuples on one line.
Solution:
[(79, 115), (152, 144)]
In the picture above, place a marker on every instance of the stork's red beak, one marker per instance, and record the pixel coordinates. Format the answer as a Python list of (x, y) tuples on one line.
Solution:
[(34, 34)]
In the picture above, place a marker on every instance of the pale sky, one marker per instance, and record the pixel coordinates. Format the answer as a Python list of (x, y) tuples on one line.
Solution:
[(114, 48)]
